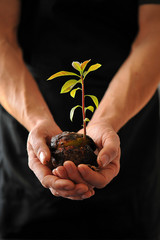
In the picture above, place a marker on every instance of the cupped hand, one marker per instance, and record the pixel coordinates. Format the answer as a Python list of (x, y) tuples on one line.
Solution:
[(70, 171), (108, 159), (39, 156)]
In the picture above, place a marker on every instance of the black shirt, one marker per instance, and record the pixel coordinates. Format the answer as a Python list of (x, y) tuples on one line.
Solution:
[(52, 34)]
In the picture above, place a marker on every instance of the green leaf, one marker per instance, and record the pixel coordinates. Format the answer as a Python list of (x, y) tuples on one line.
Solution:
[(85, 74), (86, 120), (77, 66), (73, 92), (68, 85), (94, 99), (72, 111), (92, 68), (84, 64), (91, 108), (61, 74)]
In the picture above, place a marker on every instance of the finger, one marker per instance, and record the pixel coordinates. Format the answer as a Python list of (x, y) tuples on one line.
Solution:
[(54, 192), (81, 190), (72, 172), (76, 194), (44, 174), (60, 172), (100, 178), (83, 197), (78, 191), (40, 147), (110, 149), (91, 177), (88, 194), (51, 181), (35, 165)]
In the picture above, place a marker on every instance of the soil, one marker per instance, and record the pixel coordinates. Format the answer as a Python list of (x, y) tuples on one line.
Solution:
[(71, 146)]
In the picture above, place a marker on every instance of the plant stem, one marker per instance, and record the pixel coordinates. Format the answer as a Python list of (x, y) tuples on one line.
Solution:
[(83, 108)]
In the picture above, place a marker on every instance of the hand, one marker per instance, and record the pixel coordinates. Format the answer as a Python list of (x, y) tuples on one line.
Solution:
[(108, 144), (70, 171), (39, 156), (108, 159)]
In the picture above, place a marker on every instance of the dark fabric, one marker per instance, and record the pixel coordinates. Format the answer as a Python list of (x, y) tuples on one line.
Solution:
[(149, 2), (53, 34)]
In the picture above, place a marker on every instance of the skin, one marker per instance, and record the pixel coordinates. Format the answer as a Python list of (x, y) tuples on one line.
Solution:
[(129, 91)]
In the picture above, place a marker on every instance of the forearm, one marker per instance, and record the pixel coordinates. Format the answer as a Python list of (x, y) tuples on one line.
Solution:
[(134, 84), (19, 93)]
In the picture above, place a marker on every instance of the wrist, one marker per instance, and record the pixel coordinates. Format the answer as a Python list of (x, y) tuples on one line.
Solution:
[(40, 118), (47, 127), (109, 118), (49, 123)]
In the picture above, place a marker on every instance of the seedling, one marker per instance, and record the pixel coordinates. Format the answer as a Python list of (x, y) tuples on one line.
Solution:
[(70, 85)]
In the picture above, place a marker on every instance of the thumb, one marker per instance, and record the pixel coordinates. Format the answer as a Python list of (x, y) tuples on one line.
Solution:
[(110, 150), (40, 147)]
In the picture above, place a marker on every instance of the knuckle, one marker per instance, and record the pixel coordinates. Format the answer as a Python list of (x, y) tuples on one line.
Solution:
[(113, 152), (115, 167), (31, 137), (44, 182), (117, 138), (112, 143), (113, 136)]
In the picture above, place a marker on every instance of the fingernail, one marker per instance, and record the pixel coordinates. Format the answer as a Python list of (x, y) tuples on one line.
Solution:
[(42, 158), (104, 160), (54, 171)]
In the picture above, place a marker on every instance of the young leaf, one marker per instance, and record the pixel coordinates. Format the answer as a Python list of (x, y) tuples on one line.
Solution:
[(68, 85), (72, 111), (92, 68), (77, 66), (73, 92), (62, 73), (89, 108), (94, 99), (85, 74), (86, 120), (84, 64)]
